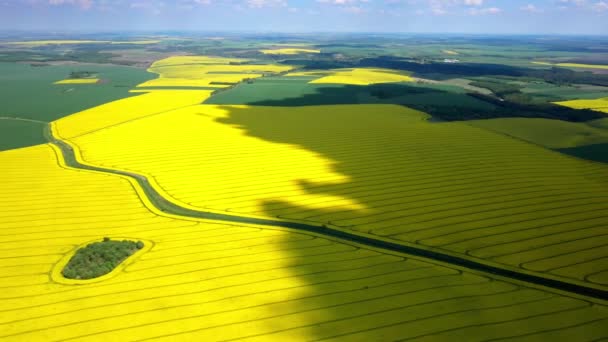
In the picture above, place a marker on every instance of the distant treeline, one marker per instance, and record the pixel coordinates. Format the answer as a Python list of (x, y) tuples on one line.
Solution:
[(443, 71), (437, 70), (506, 108)]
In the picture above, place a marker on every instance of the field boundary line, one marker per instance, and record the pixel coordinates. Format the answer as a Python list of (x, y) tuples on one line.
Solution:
[(22, 119)]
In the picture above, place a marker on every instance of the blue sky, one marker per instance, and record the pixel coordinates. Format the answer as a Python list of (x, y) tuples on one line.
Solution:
[(433, 16)]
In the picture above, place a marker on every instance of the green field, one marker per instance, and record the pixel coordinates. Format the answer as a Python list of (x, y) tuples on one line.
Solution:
[(15, 133), (554, 134), (565, 92), (296, 91), (29, 93)]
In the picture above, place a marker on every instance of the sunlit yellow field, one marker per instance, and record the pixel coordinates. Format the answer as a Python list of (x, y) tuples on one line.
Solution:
[(450, 52), (124, 110), (288, 51), (599, 105), (356, 76), (574, 65), (78, 81), (194, 71), (204, 280), (378, 169)]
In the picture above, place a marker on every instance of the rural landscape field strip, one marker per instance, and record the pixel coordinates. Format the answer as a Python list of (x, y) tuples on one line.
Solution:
[(167, 206), (600, 105), (288, 51), (37, 43), (227, 280), (202, 71), (356, 76), (124, 110), (574, 65), (78, 81), (391, 174)]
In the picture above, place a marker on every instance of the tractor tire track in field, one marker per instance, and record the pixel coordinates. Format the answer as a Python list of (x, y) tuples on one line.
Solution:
[(166, 206)]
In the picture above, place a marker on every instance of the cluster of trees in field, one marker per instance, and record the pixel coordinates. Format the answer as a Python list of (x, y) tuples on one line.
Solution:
[(82, 74), (99, 258)]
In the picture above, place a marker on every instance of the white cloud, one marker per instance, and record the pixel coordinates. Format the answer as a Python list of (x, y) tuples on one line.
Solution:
[(354, 9), (597, 6), (484, 11), (573, 2), (473, 2), (266, 3), (84, 4), (341, 2), (531, 8), (154, 7), (600, 6)]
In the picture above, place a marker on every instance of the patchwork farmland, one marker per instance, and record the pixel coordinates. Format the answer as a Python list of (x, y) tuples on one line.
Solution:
[(264, 215)]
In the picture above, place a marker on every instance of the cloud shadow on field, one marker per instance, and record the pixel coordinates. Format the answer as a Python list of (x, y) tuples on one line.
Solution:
[(370, 173)]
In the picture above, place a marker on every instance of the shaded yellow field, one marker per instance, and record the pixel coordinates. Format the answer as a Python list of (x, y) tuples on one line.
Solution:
[(379, 169), (356, 76), (72, 42), (599, 105), (78, 81), (574, 65), (131, 108), (198, 71), (204, 281), (288, 51)]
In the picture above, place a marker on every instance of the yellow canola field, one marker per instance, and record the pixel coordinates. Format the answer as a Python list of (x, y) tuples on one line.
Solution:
[(127, 109), (357, 76), (78, 81), (288, 51), (200, 71), (205, 281), (208, 281), (574, 65), (450, 52), (379, 169), (599, 105)]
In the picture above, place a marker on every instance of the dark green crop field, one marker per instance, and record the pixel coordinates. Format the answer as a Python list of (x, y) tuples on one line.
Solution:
[(28, 92), (296, 91), (15, 133)]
